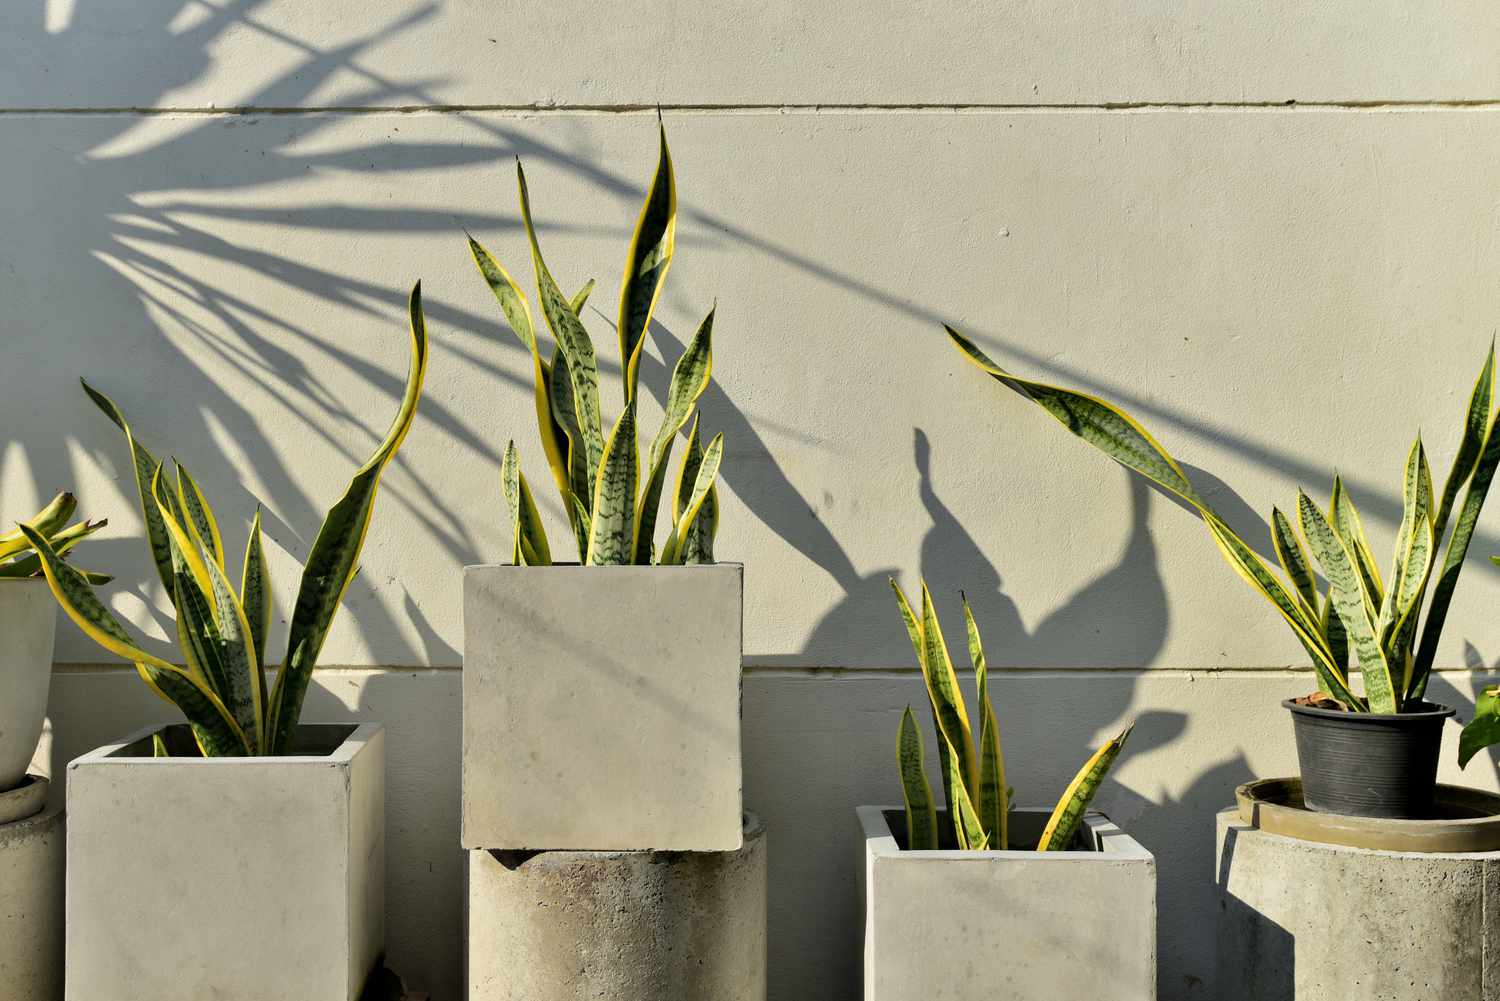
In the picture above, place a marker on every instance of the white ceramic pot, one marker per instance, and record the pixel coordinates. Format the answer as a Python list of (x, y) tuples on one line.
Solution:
[(28, 622)]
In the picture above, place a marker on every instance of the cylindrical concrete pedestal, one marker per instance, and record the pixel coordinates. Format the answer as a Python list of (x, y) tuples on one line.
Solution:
[(31, 907), (654, 926), (1306, 921)]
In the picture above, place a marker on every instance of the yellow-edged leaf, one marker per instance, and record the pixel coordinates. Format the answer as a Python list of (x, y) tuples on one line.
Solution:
[(921, 812), (646, 265), (1066, 817)]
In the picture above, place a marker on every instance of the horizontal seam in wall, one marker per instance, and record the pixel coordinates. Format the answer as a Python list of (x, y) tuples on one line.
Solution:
[(788, 109)]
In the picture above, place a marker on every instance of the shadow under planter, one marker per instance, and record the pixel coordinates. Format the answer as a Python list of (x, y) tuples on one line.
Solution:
[(1022, 925), (31, 894), (601, 708), (663, 926), (257, 879), (1316, 917)]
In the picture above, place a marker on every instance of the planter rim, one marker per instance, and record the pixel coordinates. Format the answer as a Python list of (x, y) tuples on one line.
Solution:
[(880, 841), (753, 828), (24, 801), (1271, 806), (1438, 711), (617, 568), (359, 735)]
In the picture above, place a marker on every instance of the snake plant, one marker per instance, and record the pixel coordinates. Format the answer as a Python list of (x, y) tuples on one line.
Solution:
[(222, 630), (1361, 614), (611, 507), (18, 559), (974, 789)]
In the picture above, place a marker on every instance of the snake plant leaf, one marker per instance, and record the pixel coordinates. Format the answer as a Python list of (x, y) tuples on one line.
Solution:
[(572, 339), (518, 316), (703, 483), (48, 522), (197, 635), (990, 801), (1416, 502), (334, 556), (1484, 729), (1416, 566), (909, 618), (62, 541), (697, 545), (565, 419), (185, 551), (145, 468), (914, 631), (580, 297), (1351, 530), (1335, 636), (199, 515), (646, 265), (1350, 601), (1471, 444), (687, 473), (530, 533), (1453, 560), (1066, 817), (612, 529), (950, 714), (1293, 559), (689, 379), (967, 829), (921, 812), (216, 730), (255, 595)]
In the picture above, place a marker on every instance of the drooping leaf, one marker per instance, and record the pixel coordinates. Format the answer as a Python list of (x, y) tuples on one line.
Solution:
[(646, 265), (334, 556), (47, 522), (1484, 729), (572, 339), (921, 813), (612, 530), (689, 380), (1068, 815), (145, 468), (1350, 602)]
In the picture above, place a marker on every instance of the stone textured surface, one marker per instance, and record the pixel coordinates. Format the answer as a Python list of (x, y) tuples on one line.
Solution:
[(602, 707), (1302, 921), (31, 907), (265, 882), (28, 623), (575, 926), (1023, 925)]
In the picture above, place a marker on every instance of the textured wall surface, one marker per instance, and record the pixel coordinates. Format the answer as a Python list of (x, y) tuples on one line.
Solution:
[(1269, 231)]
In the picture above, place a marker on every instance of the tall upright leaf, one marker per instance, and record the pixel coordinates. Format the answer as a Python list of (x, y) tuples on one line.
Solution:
[(921, 813), (689, 379), (256, 599), (612, 531), (949, 712), (199, 516), (990, 801), (1471, 442), (529, 537), (703, 484), (335, 553), (1351, 530), (646, 265)]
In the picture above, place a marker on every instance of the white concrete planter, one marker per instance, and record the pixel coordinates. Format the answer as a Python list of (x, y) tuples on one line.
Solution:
[(251, 879), (601, 707), (633, 926), (31, 897), (1018, 925), (28, 621), (1306, 921)]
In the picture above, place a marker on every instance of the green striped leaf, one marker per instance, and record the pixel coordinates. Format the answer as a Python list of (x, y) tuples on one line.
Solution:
[(199, 515), (921, 813), (565, 419), (334, 556), (646, 265), (1350, 602), (255, 596), (1351, 531), (990, 801), (703, 484), (914, 630), (1293, 560), (966, 826), (1337, 639), (1416, 502), (572, 339), (48, 522), (530, 536), (217, 732), (145, 468), (1471, 444), (518, 316), (1068, 815), (62, 541), (1416, 566), (1458, 548), (689, 380), (949, 712), (580, 297), (612, 531)]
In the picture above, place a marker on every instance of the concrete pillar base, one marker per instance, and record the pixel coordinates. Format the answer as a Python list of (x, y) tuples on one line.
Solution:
[(1305, 921), (31, 906), (572, 925)]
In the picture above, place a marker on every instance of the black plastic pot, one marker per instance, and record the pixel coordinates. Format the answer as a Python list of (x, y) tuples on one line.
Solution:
[(1368, 764)]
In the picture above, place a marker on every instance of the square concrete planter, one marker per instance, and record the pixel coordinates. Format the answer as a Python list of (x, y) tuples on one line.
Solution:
[(601, 708), (252, 879), (1019, 925)]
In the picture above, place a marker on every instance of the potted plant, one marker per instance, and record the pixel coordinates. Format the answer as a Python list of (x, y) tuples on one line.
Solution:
[(27, 621), (1371, 752), (978, 894), (243, 849), (637, 644)]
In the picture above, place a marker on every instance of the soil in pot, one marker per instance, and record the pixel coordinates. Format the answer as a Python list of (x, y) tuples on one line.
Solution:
[(1369, 764)]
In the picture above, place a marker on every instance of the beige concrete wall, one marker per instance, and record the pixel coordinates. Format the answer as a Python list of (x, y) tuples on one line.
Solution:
[(214, 211)]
